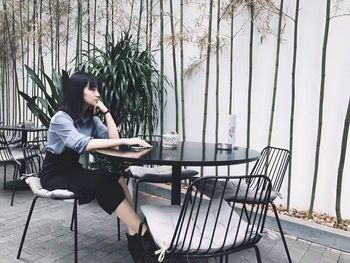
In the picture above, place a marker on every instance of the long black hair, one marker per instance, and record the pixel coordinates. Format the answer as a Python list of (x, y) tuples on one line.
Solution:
[(73, 101)]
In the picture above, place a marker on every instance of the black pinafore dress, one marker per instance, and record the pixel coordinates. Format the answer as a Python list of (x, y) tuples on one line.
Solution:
[(63, 171)]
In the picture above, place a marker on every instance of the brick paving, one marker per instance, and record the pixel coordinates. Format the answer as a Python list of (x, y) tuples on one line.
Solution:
[(50, 240)]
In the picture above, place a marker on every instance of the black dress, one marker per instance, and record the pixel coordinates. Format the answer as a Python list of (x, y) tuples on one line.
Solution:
[(64, 171)]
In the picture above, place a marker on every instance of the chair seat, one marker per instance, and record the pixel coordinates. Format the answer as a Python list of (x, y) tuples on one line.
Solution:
[(159, 174), (162, 220), (17, 153), (236, 193), (38, 190)]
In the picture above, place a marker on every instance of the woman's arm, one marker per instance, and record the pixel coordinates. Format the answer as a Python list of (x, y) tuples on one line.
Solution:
[(95, 144), (112, 129)]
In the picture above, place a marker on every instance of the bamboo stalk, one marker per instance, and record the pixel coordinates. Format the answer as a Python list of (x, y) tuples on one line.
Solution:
[(16, 96), (205, 110), (57, 35), (88, 28), (217, 78), (67, 37), (147, 14), (182, 77), (139, 23), (174, 66), (107, 23), (34, 87), (275, 80), (217, 73), (295, 47), (27, 51), (77, 51), (22, 52), (40, 39), (250, 77), (112, 18), (161, 42), (231, 59), (14, 65), (40, 45), (231, 67), (132, 10), (341, 164), (320, 111), (81, 32), (150, 25), (51, 35), (94, 35), (3, 67)]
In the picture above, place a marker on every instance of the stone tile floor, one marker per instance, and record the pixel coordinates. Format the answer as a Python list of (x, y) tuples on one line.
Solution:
[(50, 240)]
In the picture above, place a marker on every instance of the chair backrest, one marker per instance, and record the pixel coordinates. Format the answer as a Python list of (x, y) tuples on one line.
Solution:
[(212, 223), (5, 152), (34, 154), (272, 163)]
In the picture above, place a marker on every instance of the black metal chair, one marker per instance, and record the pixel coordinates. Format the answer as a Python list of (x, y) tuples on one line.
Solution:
[(210, 223), (273, 163), (159, 174), (10, 156), (36, 149)]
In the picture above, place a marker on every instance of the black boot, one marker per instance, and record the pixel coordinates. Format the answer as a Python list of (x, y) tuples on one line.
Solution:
[(147, 241), (135, 248)]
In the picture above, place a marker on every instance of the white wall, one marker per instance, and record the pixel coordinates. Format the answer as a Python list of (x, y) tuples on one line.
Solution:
[(337, 93)]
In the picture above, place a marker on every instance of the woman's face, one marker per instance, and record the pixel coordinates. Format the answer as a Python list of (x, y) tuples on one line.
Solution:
[(91, 95)]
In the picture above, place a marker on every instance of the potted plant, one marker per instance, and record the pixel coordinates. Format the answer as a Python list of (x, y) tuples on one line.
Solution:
[(130, 83)]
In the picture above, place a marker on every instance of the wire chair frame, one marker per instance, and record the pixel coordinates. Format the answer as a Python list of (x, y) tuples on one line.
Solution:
[(5, 151), (208, 194), (6, 158), (272, 163), (34, 154), (159, 179)]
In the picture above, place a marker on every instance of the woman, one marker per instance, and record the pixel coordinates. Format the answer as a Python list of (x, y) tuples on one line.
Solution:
[(75, 130)]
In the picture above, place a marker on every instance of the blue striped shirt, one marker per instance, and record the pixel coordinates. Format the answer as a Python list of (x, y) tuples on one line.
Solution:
[(64, 133)]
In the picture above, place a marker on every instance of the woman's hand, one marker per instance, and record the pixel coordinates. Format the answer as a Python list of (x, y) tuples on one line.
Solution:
[(137, 141), (99, 106)]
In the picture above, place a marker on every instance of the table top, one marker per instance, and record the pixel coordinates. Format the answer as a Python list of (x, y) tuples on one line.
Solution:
[(22, 128), (187, 154)]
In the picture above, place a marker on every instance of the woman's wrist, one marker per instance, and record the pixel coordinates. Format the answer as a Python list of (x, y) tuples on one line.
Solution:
[(105, 112)]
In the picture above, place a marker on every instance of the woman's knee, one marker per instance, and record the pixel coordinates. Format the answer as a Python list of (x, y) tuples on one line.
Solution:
[(122, 180)]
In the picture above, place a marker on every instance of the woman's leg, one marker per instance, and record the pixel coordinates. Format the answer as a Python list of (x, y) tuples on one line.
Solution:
[(127, 215), (125, 188)]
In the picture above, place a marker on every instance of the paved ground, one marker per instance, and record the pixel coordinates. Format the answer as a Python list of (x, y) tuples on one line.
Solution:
[(50, 240)]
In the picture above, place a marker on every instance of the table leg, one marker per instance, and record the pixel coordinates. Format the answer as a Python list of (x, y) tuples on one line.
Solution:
[(24, 140), (176, 185), (24, 137)]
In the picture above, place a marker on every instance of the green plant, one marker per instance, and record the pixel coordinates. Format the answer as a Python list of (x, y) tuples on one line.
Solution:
[(45, 106), (130, 83)]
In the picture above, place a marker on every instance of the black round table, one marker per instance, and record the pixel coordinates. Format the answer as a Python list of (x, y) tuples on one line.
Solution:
[(186, 154), (24, 129)]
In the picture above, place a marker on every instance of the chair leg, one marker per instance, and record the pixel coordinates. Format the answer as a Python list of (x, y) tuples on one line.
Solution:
[(73, 219), (26, 227), (118, 221), (258, 256), (16, 171), (75, 230), (281, 232), (136, 194), (4, 176)]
